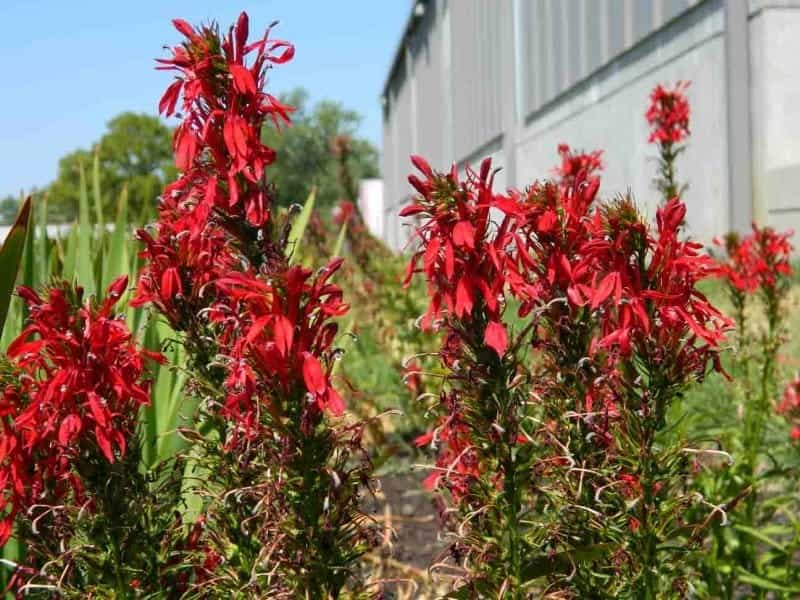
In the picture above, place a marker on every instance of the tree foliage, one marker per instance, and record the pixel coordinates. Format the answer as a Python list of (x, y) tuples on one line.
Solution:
[(135, 151), (9, 205), (305, 154)]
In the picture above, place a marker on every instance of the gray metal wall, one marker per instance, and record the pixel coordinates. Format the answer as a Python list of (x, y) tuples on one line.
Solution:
[(564, 41), (477, 28), (512, 78)]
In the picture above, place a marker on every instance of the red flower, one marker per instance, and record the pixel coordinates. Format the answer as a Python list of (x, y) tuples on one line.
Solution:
[(460, 257), (218, 147), (79, 386), (457, 466), (343, 212), (585, 166), (275, 333), (789, 407), (668, 114), (760, 260)]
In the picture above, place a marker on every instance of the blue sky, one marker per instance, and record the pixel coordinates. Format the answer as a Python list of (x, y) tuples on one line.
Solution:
[(70, 66)]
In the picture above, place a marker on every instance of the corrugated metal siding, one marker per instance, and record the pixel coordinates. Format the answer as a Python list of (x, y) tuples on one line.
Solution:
[(446, 97), (616, 26), (573, 40), (642, 20), (595, 54), (564, 41), (397, 150), (672, 8), (426, 53), (476, 33)]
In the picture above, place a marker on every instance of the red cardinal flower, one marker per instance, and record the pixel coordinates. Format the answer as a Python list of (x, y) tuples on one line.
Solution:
[(575, 165), (761, 259), (277, 333), (668, 114), (78, 388)]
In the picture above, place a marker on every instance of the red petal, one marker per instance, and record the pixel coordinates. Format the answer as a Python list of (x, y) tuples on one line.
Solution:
[(424, 439), (422, 165), (242, 31), (170, 98), (412, 209), (463, 298), (284, 334), (70, 427), (117, 287), (242, 79), (184, 28), (104, 442), (315, 380), (333, 402), (496, 337), (603, 291), (464, 234), (285, 56), (449, 260)]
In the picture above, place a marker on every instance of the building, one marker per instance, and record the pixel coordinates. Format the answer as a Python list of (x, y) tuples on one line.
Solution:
[(512, 79)]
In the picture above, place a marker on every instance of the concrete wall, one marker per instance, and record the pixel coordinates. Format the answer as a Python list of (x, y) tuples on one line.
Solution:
[(775, 78)]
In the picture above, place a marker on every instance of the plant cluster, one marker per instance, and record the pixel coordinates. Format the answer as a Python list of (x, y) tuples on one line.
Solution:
[(270, 500), (548, 435), (560, 337)]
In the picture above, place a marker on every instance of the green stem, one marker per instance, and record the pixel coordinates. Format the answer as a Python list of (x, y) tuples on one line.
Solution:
[(650, 545), (512, 501)]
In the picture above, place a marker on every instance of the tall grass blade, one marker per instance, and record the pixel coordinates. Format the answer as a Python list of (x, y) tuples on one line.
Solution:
[(337, 249), (97, 191), (10, 257), (299, 227), (117, 260), (84, 266)]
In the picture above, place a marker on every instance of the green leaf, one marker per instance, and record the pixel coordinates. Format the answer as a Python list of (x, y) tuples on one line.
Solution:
[(84, 257), (561, 562), (764, 583), (10, 256), (96, 192), (43, 246), (760, 535), (71, 254), (337, 249), (117, 261), (299, 228), (29, 259), (148, 415)]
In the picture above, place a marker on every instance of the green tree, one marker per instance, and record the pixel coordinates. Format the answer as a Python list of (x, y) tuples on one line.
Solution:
[(135, 151), (8, 210), (305, 154)]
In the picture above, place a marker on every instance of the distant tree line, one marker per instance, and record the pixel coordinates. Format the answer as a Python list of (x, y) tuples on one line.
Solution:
[(135, 153)]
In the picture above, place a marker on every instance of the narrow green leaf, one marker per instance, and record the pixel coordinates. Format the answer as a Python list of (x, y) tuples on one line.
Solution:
[(70, 249), (182, 414), (29, 259), (13, 324), (765, 584), (337, 249), (562, 562), (43, 241), (117, 261), (299, 228), (10, 256), (84, 264), (147, 415), (96, 191), (760, 536)]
